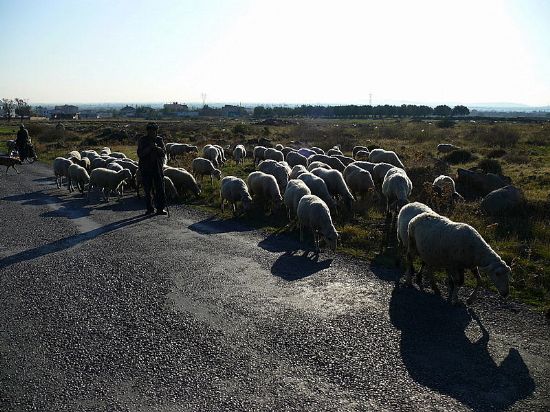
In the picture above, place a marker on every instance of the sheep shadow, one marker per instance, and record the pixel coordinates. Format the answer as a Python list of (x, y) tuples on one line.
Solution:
[(36, 198), (292, 266), (66, 243), (439, 355), (126, 204), (213, 225), (280, 242)]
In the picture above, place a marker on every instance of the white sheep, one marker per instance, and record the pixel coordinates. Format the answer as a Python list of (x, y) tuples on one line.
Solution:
[(204, 167), (278, 170), (182, 180), (279, 147), (329, 160), (98, 162), (78, 176), (85, 163), (105, 151), (443, 244), (176, 149), (318, 150), (406, 214), (221, 152), (307, 152), (317, 164), (335, 185), (61, 169), (397, 188), (295, 190), (295, 158), (446, 147), (74, 154), (334, 151), (368, 166), (118, 155), (239, 154), (358, 180), (259, 154), (346, 160), (213, 154), (108, 180), (114, 166), (90, 154), (234, 190), (362, 155), (319, 188), (297, 171), (379, 171), (170, 189), (357, 149), (385, 156), (265, 187), (314, 214), (274, 154)]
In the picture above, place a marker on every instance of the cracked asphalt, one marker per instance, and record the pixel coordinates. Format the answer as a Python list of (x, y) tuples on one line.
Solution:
[(103, 310)]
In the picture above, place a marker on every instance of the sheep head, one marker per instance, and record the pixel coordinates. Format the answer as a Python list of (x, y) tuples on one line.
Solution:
[(499, 273)]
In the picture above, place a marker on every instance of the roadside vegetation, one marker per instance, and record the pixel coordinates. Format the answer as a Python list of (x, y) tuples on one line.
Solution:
[(518, 150)]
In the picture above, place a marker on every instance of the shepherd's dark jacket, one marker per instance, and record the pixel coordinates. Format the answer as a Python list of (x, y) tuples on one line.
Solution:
[(151, 153)]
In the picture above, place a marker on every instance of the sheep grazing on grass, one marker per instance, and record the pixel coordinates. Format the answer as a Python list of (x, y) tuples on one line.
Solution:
[(294, 191), (318, 150), (118, 155), (314, 214), (334, 151), (379, 172), (359, 181), (108, 180), (239, 154), (396, 188), (221, 153), (179, 149), (331, 161), (287, 150), (297, 171), (344, 159), (264, 187), (295, 158), (318, 188), (357, 149), (274, 154), (443, 244), (78, 176), (213, 154), (114, 166), (446, 148), (203, 167), (259, 154), (85, 163), (406, 214), (317, 164), (60, 169), (279, 147), (336, 185), (98, 162), (276, 169), (170, 189), (234, 190), (362, 155), (307, 153), (442, 192), (368, 166), (90, 154), (385, 156), (105, 151), (182, 180)]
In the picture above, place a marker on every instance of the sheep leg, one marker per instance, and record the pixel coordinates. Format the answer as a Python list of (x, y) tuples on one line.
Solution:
[(7, 168), (473, 295), (223, 205), (433, 284), (16, 171), (419, 281), (410, 270), (301, 232)]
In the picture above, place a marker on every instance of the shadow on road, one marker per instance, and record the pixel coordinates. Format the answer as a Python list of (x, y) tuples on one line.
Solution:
[(291, 266), (36, 198), (214, 225), (66, 243), (280, 242), (439, 355)]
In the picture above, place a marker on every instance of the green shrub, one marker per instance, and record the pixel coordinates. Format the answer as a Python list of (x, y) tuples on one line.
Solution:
[(458, 156), (445, 123), (500, 135), (490, 166), (496, 153)]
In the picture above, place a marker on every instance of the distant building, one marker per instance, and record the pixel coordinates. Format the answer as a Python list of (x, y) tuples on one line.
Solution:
[(87, 114), (233, 111), (66, 111), (42, 111), (175, 107), (128, 111)]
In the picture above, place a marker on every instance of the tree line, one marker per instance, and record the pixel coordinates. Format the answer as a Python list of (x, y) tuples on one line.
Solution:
[(363, 111), (18, 106)]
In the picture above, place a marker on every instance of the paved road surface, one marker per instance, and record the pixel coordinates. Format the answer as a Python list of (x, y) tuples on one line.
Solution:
[(101, 310)]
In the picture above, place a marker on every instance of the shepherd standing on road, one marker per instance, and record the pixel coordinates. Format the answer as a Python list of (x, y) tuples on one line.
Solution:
[(152, 154)]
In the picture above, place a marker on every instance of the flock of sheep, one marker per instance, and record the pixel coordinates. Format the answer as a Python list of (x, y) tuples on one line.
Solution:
[(313, 186)]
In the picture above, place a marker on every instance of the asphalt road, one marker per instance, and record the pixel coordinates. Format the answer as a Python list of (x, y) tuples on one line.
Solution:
[(101, 310)]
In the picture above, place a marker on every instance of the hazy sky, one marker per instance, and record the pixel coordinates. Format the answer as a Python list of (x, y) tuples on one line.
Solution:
[(276, 51)]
